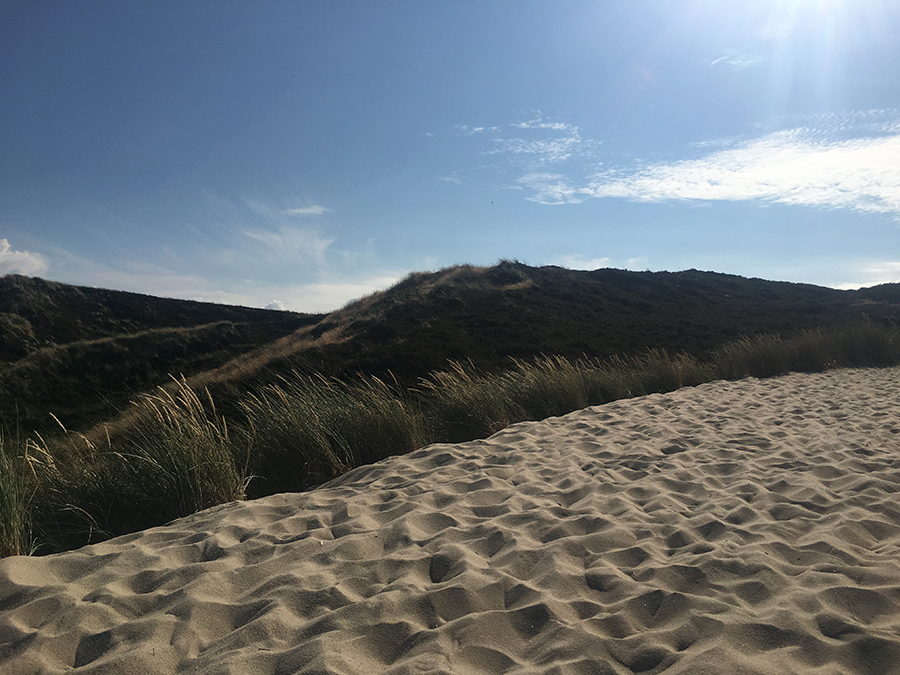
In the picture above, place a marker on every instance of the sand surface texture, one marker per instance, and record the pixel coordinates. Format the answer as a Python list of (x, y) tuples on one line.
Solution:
[(736, 527)]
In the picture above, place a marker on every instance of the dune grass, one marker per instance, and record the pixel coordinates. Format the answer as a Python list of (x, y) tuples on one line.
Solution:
[(180, 456), (860, 345), (15, 502), (183, 446), (463, 403), (308, 429)]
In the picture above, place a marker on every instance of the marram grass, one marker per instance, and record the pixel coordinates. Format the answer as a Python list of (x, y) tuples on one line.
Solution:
[(181, 456), (15, 502), (186, 450)]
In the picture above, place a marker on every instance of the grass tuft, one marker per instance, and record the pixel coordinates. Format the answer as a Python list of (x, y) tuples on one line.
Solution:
[(855, 346), (181, 453), (179, 456), (309, 429), (463, 403), (15, 500)]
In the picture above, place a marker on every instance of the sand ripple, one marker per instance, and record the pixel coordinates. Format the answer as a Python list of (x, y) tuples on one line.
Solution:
[(736, 527)]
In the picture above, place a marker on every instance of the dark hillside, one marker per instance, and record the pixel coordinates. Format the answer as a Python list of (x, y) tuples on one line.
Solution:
[(511, 310), (35, 314), (83, 353)]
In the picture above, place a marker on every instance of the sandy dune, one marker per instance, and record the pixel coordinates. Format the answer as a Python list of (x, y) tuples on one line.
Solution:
[(736, 528)]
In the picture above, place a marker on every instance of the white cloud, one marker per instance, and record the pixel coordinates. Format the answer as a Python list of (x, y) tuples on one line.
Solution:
[(451, 178), (469, 131), (276, 304), (265, 208), (541, 151), (314, 210), (20, 262), (805, 166), (564, 143), (576, 261), (542, 142), (738, 61), (552, 188), (292, 244), (873, 274), (786, 167), (845, 123), (843, 160), (539, 123)]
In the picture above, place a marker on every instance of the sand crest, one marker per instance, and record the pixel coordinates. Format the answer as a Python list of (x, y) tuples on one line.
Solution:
[(736, 527)]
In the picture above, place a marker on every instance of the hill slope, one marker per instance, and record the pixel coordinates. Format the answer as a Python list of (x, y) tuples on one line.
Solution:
[(107, 346), (82, 353), (511, 310)]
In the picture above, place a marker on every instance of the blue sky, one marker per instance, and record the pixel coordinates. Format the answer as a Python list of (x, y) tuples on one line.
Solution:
[(301, 154)]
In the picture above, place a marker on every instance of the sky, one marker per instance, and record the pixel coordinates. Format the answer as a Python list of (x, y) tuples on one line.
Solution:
[(301, 154)]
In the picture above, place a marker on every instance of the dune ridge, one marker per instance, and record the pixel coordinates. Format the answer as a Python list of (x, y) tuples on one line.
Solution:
[(747, 527)]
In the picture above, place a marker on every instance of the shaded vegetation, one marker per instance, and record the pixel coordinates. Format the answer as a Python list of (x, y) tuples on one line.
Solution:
[(487, 315), (84, 353), (49, 313), (271, 401), (181, 456)]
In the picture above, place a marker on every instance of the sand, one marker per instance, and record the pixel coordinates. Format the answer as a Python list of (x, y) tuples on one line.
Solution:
[(735, 527)]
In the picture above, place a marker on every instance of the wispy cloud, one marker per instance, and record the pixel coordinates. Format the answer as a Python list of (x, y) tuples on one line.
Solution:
[(470, 130), (539, 151), (314, 210), (846, 161), (539, 123), (787, 167), (841, 124), (738, 61), (292, 245), (20, 262), (551, 143), (267, 209), (552, 188), (535, 143), (452, 177)]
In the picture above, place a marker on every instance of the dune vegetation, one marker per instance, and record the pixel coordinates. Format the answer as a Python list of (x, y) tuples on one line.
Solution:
[(178, 454), (84, 354)]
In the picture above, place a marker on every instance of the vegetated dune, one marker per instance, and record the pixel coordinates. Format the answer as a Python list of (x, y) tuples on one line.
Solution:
[(735, 527), (489, 314), (84, 353)]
